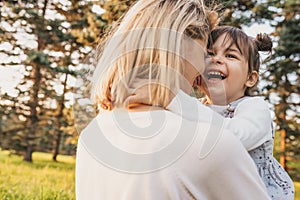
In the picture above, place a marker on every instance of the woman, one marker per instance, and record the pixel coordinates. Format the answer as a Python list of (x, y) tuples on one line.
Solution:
[(143, 151)]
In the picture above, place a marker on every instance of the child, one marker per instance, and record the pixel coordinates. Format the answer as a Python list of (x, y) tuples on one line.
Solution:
[(231, 72)]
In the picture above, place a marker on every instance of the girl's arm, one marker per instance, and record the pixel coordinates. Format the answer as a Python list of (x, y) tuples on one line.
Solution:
[(251, 122)]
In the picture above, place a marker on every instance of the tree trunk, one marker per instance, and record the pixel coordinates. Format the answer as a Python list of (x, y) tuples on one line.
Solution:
[(56, 147), (282, 148), (28, 154), (59, 124), (33, 119)]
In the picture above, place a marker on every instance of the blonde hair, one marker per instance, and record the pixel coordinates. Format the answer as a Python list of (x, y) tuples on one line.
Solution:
[(146, 45)]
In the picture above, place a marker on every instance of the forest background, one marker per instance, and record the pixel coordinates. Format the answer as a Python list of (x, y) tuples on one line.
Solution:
[(47, 52)]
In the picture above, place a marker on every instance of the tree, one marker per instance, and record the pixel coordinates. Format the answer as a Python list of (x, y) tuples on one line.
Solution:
[(237, 13), (283, 72), (35, 62), (59, 42)]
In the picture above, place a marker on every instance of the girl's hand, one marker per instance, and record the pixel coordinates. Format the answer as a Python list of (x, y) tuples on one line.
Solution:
[(197, 81), (106, 105)]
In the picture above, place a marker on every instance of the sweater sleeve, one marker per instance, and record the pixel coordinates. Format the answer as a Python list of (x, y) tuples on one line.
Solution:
[(190, 108), (252, 122)]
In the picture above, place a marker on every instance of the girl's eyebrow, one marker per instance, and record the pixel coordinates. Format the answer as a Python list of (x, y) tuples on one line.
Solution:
[(234, 49)]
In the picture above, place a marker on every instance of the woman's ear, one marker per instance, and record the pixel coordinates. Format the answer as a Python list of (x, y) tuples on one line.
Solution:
[(252, 79)]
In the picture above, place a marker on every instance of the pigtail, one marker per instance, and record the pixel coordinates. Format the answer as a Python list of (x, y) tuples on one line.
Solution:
[(263, 42)]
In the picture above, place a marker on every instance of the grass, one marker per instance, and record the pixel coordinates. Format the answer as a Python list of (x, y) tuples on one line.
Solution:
[(297, 188), (41, 180)]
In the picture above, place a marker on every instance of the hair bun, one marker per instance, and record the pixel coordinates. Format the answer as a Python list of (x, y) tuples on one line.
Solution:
[(263, 42)]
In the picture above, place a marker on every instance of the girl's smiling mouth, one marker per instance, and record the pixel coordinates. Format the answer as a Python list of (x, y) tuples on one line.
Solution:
[(215, 75)]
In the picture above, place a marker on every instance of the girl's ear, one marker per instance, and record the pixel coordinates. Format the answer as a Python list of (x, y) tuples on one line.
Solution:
[(252, 79)]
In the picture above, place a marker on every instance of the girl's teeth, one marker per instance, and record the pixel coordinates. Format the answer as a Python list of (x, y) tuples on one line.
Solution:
[(215, 75)]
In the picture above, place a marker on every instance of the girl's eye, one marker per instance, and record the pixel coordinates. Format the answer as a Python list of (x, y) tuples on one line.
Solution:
[(231, 56), (209, 53)]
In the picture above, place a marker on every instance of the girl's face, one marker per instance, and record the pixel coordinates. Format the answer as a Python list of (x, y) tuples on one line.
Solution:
[(226, 77)]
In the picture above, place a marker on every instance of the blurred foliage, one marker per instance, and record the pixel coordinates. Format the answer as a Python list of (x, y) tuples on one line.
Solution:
[(282, 72), (63, 34)]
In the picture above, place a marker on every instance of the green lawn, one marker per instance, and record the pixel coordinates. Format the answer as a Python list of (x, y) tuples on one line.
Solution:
[(41, 180), (295, 176), (297, 188)]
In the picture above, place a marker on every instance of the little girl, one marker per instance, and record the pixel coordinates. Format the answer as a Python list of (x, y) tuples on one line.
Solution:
[(231, 72)]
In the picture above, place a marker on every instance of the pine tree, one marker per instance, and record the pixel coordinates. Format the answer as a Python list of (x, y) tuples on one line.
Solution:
[(63, 35), (283, 72)]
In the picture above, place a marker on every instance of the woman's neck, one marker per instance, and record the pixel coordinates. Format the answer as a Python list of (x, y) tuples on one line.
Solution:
[(143, 108)]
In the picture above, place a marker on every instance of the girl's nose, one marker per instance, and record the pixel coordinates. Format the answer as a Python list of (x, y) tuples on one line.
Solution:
[(217, 59)]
